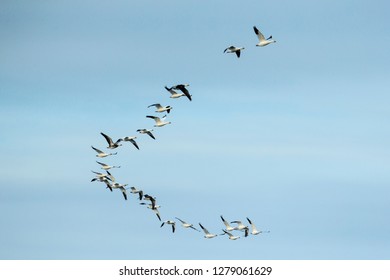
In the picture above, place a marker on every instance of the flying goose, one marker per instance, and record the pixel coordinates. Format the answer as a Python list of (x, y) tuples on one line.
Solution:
[(240, 225), (159, 122), (100, 176), (146, 131), (154, 208), (233, 49), (231, 236), (121, 187), (186, 225), (104, 180), (161, 109), (174, 94), (151, 199), (102, 154), (106, 166), (228, 226), (131, 140), (169, 222), (135, 191), (183, 89), (254, 230), (111, 144), (262, 41), (207, 233)]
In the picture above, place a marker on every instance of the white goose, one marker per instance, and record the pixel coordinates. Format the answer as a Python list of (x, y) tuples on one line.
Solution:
[(233, 49), (169, 222), (174, 94), (99, 176), (186, 225), (131, 140), (254, 230), (146, 131), (106, 166), (231, 236), (121, 187), (104, 180), (102, 154), (183, 89), (207, 233), (151, 199), (262, 41), (240, 225), (134, 190), (161, 109), (154, 208), (228, 226), (111, 144), (159, 122)]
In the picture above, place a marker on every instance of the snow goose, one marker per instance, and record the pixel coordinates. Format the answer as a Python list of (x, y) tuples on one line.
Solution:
[(154, 208), (207, 233), (121, 187), (228, 226), (233, 49), (174, 94), (100, 176), (102, 154), (146, 131), (134, 190), (161, 109), (169, 222), (240, 225), (231, 236), (111, 144), (183, 89), (254, 230), (131, 140), (159, 122), (104, 180), (106, 166), (262, 41), (186, 225), (151, 199)]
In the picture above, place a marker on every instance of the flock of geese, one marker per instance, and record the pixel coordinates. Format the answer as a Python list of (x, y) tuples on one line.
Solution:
[(149, 201)]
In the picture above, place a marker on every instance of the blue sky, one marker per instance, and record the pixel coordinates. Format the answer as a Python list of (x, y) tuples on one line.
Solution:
[(294, 135)]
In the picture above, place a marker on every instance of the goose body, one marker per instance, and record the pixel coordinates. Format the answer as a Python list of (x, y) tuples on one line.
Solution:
[(233, 49), (140, 193), (231, 236), (159, 122), (183, 89), (161, 109), (186, 225), (169, 222), (254, 230), (207, 234), (111, 144), (262, 41), (106, 166), (174, 94), (121, 187), (131, 140), (154, 208), (146, 131), (227, 225), (240, 225), (102, 154)]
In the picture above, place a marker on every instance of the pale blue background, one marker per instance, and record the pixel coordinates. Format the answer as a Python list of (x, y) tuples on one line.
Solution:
[(294, 135)]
